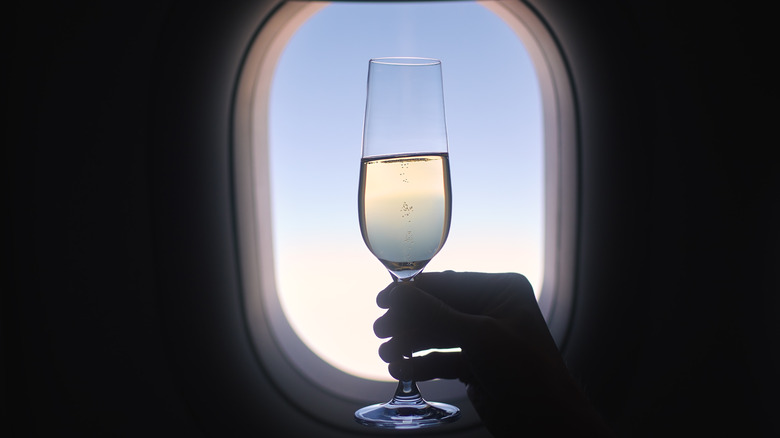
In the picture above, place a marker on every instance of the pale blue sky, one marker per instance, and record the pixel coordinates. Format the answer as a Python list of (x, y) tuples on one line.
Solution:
[(494, 124)]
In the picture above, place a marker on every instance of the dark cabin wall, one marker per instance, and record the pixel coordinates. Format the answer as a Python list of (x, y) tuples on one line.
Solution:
[(121, 316), (675, 326), (83, 353)]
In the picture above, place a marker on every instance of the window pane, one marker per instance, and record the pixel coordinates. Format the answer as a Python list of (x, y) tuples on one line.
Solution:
[(327, 279)]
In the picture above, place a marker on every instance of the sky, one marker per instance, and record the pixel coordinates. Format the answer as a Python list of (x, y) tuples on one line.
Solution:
[(326, 277)]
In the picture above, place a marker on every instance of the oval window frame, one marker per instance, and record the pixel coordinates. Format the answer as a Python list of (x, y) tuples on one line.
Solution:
[(301, 377)]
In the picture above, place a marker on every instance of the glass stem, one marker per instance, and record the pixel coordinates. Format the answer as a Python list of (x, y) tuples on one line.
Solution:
[(407, 392)]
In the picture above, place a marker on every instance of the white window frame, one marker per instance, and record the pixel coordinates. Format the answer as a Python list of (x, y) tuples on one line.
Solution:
[(304, 379)]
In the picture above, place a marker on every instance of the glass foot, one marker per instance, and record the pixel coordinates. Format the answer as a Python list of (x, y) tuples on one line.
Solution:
[(407, 410)]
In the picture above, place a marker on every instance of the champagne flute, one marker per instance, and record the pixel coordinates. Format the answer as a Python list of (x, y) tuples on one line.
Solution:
[(404, 200)]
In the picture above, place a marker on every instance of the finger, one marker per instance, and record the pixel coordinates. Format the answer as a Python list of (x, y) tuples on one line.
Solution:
[(398, 348), (406, 342), (390, 323), (394, 322), (432, 366), (382, 298), (405, 309), (478, 293), (383, 326), (414, 311), (428, 326), (393, 350)]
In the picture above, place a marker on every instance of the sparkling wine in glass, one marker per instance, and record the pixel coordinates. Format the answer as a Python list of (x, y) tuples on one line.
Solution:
[(404, 200)]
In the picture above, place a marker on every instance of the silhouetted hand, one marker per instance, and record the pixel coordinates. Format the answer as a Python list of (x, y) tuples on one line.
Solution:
[(514, 375)]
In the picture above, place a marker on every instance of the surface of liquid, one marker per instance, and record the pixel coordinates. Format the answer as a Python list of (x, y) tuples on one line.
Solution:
[(404, 208)]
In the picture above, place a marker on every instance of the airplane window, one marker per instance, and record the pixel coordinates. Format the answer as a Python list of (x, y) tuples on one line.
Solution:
[(308, 281), (326, 279)]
